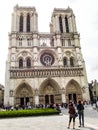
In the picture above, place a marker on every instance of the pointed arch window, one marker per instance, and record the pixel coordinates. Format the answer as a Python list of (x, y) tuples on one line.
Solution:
[(66, 24), (65, 61), (21, 24), (60, 24), (28, 62), (21, 63), (28, 23), (71, 62)]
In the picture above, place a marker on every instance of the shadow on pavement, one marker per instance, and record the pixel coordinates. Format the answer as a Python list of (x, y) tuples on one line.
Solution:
[(86, 128)]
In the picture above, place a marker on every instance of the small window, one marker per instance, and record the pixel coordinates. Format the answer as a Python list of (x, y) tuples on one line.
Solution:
[(65, 61), (21, 24), (20, 41), (66, 24), (60, 24), (20, 63), (28, 63), (71, 62), (28, 42), (28, 23)]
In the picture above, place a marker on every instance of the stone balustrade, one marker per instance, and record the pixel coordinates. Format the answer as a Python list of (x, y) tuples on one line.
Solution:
[(45, 72)]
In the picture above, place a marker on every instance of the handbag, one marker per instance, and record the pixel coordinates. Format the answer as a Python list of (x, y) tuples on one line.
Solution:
[(76, 114)]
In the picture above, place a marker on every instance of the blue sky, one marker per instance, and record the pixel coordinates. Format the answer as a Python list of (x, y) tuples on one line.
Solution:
[(86, 12)]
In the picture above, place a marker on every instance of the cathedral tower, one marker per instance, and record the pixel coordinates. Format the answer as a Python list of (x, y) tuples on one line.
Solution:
[(44, 68)]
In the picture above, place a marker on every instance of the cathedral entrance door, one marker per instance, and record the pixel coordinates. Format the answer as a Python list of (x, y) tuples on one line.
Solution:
[(49, 99), (24, 101), (72, 97), (73, 91), (46, 99), (27, 100), (49, 92), (24, 95)]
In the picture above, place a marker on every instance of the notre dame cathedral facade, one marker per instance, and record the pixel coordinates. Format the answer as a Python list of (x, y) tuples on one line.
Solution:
[(44, 68)]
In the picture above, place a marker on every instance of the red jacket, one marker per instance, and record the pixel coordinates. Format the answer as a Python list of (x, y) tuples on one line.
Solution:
[(72, 109)]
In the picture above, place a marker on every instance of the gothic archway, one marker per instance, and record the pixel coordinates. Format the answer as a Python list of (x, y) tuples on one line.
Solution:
[(24, 95), (49, 92), (73, 91)]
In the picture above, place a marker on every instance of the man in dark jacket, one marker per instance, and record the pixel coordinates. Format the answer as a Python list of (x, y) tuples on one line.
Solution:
[(80, 108)]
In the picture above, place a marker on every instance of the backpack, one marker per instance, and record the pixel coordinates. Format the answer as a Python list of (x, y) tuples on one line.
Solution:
[(80, 108)]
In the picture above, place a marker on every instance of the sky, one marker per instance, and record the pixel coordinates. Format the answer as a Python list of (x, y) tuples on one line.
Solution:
[(86, 16)]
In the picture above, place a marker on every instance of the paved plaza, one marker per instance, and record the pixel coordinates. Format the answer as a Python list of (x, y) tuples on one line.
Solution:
[(58, 122)]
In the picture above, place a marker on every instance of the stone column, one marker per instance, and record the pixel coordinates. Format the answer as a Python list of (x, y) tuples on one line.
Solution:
[(24, 23), (55, 44), (57, 24), (63, 95), (58, 40), (17, 23), (59, 49), (63, 22), (53, 18), (35, 22), (32, 23), (68, 62), (70, 24), (36, 97), (14, 23), (74, 24), (13, 42), (35, 51), (35, 40), (11, 98)]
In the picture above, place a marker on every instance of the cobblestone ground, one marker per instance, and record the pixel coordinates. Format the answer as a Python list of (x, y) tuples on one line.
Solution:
[(59, 122)]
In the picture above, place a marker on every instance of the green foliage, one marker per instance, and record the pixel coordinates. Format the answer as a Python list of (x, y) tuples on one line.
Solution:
[(25, 113)]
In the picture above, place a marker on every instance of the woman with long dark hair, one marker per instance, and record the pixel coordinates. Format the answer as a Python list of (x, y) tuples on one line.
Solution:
[(71, 115)]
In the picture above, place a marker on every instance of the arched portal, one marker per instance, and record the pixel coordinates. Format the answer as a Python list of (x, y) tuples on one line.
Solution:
[(49, 92), (73, 91), (24, 95)]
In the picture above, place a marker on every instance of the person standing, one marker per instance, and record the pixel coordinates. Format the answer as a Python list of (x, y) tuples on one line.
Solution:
[(71, 115), (80, 108)]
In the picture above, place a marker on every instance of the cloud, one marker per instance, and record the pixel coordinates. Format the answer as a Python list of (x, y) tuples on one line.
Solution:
[(86, 12), (87, 25)]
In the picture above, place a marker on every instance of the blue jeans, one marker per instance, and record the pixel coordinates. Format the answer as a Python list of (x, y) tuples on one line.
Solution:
[(81, 118)]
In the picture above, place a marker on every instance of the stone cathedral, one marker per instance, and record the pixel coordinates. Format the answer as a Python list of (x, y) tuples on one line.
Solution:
[(44, 68)]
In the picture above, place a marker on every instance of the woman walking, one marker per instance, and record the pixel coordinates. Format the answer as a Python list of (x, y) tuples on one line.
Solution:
[(71, 115)]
